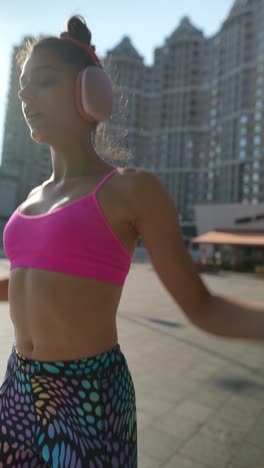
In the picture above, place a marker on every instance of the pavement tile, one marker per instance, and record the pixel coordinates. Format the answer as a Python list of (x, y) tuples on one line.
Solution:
[(170, 391), (255, 434), (203, 449), (180, 462), (221, 430), (256, 392), (248, 456), (157, 444), (153, 406), (235, 416), (246, 404), (193, 410), (145, 461), (178, 425), (208, 397), (203, 372)]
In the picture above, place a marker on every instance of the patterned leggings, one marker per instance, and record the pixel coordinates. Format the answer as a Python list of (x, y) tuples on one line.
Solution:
[(68, 414)]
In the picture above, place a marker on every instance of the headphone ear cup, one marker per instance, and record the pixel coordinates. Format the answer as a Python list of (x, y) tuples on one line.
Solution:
[(94, 94)]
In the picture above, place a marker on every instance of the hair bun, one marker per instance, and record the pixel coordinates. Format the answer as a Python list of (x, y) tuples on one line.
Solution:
[(77, 29)]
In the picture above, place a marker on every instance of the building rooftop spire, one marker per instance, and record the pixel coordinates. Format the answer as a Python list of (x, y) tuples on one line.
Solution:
[(126, 48), (185, 28)]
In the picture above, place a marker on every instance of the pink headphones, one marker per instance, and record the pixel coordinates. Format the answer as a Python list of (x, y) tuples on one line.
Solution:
[(94, 92)]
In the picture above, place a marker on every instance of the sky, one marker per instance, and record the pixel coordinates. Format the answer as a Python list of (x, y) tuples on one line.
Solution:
[(148, 23)]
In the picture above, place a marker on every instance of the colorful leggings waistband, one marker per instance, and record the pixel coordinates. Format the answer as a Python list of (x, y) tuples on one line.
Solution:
[(94, 365), (68, 414)]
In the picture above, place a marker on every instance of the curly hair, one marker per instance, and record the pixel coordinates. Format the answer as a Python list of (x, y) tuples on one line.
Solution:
[(109, 146)]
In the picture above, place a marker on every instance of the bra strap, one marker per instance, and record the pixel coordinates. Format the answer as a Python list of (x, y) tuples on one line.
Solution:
[(105, 179)]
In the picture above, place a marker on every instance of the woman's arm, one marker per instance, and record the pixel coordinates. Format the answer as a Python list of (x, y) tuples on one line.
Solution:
[(233, 318), (4, 289), (156, 221)]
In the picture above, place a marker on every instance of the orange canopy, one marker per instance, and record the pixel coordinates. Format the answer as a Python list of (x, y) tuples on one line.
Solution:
[(231, 238)]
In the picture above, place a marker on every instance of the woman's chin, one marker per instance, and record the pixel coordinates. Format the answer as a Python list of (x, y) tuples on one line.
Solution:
[(37, 136)]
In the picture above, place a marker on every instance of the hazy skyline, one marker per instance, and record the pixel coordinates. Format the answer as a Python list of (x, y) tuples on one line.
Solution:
[(148, 25)]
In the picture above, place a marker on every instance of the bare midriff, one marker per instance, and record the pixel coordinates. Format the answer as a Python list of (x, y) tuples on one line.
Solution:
[(62, 317)]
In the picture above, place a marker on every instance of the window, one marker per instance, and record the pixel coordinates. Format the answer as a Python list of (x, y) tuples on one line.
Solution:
[(257, 140), (243, 142), (258, 128), (243, 118), (243, 220)]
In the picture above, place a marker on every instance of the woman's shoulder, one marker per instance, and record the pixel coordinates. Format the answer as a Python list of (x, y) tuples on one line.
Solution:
[(136, 179), (131, 181), (136, 182)]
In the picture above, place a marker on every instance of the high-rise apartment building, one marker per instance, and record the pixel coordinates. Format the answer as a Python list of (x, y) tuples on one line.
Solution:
[(30, 160), (236, 157), (200, 123), (195, 117)]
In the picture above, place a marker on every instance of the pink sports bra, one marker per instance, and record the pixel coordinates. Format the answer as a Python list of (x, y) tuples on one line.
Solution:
[(75, 239)]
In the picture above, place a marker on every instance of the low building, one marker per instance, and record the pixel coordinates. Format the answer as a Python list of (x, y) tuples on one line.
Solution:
[(231, 233)]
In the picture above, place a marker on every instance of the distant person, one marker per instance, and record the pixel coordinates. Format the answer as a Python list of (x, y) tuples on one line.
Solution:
[(68, 398)]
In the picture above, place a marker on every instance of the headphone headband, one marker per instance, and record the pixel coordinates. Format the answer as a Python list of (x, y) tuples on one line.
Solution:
[(87, 49)]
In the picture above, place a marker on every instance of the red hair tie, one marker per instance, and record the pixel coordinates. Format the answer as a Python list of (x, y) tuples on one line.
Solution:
[(87, 49)]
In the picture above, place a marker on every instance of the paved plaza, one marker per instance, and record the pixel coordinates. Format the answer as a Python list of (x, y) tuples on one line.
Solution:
[(200, 398)]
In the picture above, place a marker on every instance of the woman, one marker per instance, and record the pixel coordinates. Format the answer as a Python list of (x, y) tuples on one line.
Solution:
[(68, 398)]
